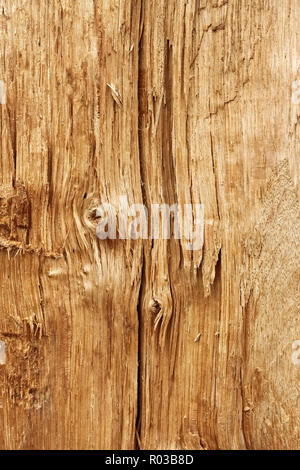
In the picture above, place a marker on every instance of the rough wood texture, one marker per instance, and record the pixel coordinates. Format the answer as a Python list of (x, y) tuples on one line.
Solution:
[(164, 101)]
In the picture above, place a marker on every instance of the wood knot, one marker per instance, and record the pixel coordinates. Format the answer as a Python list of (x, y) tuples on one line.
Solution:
[(91, 218), (92, 215), (155, 307)]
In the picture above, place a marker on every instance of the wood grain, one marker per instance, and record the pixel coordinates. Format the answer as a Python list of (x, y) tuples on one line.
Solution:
[(123, 344)]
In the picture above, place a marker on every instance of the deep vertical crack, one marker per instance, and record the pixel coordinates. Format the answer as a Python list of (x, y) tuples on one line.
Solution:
[(139, 373), (140, 93)]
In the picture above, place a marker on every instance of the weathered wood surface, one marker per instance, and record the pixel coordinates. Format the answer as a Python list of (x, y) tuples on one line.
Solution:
[(100, 335)]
